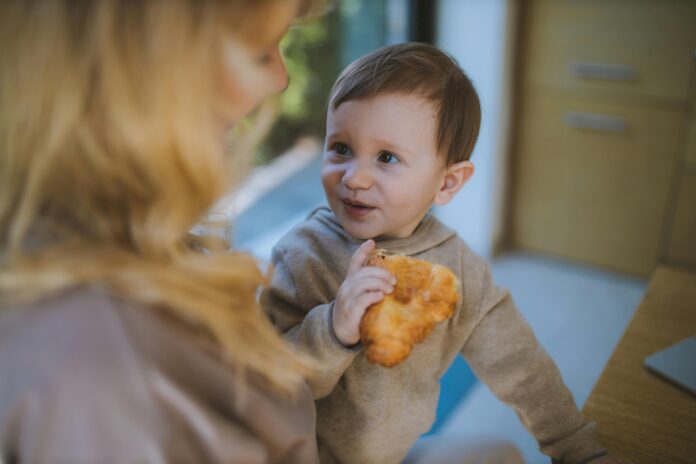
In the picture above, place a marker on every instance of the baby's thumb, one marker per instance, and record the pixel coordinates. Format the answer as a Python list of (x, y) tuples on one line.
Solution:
[(360, 256)]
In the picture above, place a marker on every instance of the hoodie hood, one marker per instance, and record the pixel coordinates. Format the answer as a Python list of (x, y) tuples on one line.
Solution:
[(429, 233)]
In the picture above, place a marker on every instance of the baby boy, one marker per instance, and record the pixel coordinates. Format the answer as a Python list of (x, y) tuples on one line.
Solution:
[(401, 126)]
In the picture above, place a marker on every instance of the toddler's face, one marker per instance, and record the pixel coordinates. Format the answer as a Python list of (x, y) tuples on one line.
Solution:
[(381, 170)]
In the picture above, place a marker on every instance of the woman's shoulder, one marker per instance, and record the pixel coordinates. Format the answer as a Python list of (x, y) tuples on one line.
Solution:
[(72, 376), (61, 327), (63, 343), (99, 374)]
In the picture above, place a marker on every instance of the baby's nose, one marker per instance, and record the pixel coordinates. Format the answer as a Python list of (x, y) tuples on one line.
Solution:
[(358, 176)]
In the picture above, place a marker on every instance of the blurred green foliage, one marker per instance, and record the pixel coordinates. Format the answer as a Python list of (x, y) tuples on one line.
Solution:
[(315, 51), (312, 57)]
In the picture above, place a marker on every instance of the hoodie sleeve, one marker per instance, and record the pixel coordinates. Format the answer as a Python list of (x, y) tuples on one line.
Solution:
[(504, 353), (306, 325)]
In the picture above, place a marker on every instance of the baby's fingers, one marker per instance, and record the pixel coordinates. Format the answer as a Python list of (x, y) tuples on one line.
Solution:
[(368, 283), (373, 272), (360, 256), (367, 299)]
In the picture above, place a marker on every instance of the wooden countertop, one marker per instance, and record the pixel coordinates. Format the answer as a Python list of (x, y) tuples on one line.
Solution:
[(640, 416)]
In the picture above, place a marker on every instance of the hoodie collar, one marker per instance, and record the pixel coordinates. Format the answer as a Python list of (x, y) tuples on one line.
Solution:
[(429, 234)]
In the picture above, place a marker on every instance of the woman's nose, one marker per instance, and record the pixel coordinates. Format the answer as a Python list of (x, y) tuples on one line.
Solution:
[(358, 176), (280, 73)]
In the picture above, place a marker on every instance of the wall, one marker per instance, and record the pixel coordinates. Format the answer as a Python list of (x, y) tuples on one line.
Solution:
[(480, 36)]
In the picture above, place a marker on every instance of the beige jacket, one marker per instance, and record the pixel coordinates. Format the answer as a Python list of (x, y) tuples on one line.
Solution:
[(88, 378), (370, 414)]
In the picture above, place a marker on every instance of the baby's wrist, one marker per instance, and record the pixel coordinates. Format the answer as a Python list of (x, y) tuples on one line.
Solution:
[(345, 340), (338, 331)]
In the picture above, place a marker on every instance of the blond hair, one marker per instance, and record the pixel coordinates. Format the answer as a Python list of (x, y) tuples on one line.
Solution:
[(109, 153), (423, 70)]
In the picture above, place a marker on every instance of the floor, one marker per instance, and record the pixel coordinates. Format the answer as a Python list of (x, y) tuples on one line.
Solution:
[(577, 312)]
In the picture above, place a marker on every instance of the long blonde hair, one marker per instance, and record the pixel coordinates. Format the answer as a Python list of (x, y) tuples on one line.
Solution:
[(109, 153)]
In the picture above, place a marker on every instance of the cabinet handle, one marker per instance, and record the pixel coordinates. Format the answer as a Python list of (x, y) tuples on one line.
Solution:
[(594, 121), (605, 71)]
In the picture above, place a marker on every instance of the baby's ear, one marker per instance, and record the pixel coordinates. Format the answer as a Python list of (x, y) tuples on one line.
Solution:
[(456, 175)]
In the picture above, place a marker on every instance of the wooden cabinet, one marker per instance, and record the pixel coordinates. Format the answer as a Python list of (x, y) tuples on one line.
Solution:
[(681, 248), (594, 195), (690, 151), (626, 47), (681, 244), (601, 129)]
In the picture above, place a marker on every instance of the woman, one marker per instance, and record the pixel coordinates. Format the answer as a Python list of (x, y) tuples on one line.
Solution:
[(119, 343)]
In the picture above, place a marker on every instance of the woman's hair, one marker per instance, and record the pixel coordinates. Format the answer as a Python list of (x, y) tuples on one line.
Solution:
[(110, 152), (422, 70)]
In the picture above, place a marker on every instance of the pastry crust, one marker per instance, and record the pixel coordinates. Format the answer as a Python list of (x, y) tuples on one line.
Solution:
[(424, 295)]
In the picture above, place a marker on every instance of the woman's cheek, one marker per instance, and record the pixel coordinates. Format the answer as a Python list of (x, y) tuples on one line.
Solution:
[(237, 83)]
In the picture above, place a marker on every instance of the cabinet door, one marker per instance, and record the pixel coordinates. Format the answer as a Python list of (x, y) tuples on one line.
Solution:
[(593, 180), (635, 48), (690, 155), (682, 242), (690, 145)]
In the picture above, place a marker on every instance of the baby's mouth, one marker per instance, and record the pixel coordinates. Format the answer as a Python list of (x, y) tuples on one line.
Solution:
[(355, 204), (356, 208)]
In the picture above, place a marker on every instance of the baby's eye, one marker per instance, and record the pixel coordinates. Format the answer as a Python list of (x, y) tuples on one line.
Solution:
[(387, 158), (340, 148)]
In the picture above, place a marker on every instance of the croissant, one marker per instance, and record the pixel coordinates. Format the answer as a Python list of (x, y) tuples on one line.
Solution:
[(424, 295)]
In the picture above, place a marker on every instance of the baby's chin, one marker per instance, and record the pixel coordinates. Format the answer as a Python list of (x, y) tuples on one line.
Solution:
[(364, 230), (359, 233)]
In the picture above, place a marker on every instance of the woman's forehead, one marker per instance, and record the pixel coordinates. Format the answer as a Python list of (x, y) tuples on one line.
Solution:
[(267, 22)]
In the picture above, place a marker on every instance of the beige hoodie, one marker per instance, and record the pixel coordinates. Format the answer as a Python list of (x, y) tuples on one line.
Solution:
[(370, 414)]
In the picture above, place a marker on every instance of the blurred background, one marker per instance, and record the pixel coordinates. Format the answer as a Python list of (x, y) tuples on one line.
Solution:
[(586, 162)]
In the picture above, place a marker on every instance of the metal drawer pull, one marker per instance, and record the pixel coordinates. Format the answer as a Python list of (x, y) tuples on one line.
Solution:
[(606, 71), (594, 121)]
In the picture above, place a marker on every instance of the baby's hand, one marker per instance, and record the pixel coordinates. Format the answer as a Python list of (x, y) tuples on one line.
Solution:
[(363, 287)]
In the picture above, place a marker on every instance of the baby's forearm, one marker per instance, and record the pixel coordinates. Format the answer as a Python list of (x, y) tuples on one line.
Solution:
[(314, 336), (505, 354)]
